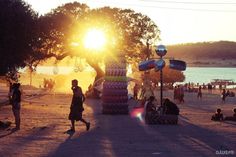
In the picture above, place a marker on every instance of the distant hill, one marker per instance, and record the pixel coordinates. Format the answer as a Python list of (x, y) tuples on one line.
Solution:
[(221, 53)]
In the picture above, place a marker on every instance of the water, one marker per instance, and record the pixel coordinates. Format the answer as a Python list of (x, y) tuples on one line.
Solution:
[(192, 74), (205, 74), (52, 70)]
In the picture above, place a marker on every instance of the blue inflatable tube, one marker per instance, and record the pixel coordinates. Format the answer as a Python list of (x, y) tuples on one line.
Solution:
[(146, 65)]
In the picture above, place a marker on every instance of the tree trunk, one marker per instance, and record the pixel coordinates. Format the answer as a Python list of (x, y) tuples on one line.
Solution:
[(96, 67), (31, 78)]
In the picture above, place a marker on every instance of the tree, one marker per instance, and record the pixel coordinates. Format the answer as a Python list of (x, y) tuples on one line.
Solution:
[(170, 76), (33, 61), (17, 23), (68, 23)]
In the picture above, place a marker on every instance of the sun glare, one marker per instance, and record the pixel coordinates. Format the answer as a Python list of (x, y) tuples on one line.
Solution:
[(95, 39)]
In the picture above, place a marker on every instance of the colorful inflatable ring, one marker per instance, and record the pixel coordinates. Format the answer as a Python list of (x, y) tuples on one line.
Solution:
[(115, 92), (116, 78), (115, 72)]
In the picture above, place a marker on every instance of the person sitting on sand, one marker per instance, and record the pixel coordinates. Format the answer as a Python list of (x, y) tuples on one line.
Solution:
[(76, 108), (170, 107), (218, 116), (150, 109), (232, 118)]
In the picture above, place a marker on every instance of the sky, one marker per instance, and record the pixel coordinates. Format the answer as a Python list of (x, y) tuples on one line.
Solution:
[(180, 21)]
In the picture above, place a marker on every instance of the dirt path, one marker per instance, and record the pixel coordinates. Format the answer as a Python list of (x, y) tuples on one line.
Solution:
[(44, 121)]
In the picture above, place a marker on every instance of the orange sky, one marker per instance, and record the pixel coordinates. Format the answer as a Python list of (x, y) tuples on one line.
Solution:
[(179, 20)]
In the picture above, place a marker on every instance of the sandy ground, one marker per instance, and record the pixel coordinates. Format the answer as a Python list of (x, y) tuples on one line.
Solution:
[(44, 122)]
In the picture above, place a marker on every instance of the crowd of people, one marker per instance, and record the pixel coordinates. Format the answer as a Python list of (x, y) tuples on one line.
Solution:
[(148, 97), (144, 92)]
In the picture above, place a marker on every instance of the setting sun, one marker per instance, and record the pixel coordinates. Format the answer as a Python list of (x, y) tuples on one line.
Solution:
[(95, 39)]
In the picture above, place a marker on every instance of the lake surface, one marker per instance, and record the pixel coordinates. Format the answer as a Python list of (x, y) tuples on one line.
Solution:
[(192, 74), (205, 74)]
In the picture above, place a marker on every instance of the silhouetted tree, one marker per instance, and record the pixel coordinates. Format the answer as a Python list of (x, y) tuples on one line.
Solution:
[(17, 30), (68, 23), (203, 50), (170, 76)]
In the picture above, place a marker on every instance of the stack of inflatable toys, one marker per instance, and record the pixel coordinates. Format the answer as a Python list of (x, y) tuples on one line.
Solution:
[(115, 93)]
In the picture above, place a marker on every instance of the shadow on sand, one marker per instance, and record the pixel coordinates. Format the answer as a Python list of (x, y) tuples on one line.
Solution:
[(125, 136)]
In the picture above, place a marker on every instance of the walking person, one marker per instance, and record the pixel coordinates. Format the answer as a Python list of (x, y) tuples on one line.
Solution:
[(199, 92), (223, 95), (16, 104), (175, 93), (181, 94), (76, 108)]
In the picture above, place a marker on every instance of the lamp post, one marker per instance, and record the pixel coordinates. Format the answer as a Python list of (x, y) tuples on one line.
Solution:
[(159, 64), (161, 51)]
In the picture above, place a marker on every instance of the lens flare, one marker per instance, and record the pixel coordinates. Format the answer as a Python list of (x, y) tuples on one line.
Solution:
[(95, 39), (138, 113)]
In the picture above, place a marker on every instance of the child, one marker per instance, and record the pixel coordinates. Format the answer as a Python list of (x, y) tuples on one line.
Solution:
[(218, 116)]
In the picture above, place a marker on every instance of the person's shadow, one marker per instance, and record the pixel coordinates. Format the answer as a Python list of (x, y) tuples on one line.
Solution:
[(70, 133), (9, 133)]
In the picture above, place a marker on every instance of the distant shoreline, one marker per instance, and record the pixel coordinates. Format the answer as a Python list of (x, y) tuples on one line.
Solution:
[(215, 64), (210, 66)]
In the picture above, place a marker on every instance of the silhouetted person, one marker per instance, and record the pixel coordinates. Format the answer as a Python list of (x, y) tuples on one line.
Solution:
[(16, 104), (223, 95), (181, 94), (77, 108), (170, 107), (234, 115), (175, 93), (199, 92), (218, 116), (136, 89), (209, 87), (150, 105), (220, 86), (150, 109), (10, 93), (228, 93), (233, 118)]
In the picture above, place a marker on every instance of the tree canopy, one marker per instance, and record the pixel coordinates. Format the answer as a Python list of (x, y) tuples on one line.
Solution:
[(67, 24), (27, 38), (204, 50), (169, 76), (17, 34)]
